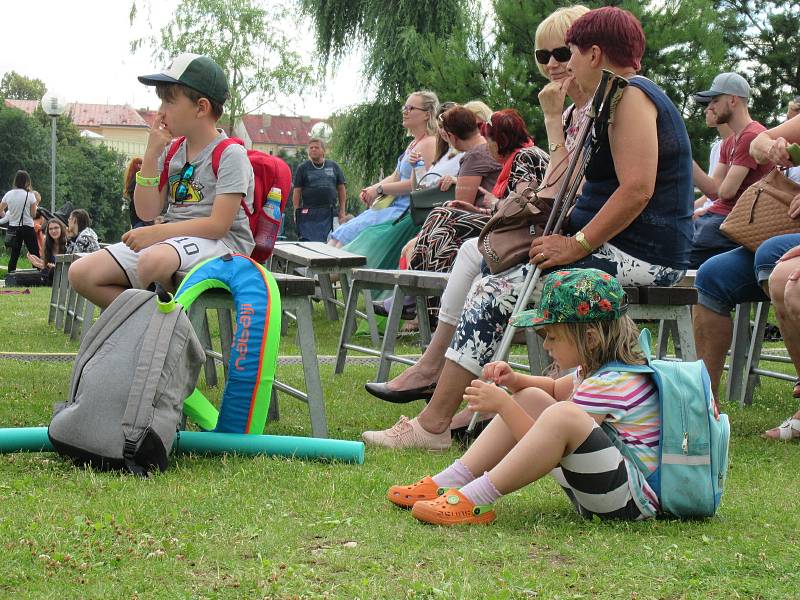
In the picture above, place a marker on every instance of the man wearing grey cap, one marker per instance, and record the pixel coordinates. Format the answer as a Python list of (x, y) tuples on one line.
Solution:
[(737, 170)]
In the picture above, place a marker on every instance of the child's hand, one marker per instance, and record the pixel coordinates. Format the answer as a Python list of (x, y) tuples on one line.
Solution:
[(142, 237), (500, 373), (159, 136), (485, 397)]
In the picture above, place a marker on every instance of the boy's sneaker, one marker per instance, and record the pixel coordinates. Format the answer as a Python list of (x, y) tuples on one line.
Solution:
[(406, 496), (452, 508), (408, 433)]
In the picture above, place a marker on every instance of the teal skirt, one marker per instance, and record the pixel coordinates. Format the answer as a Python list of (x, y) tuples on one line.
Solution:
[(382, 243)]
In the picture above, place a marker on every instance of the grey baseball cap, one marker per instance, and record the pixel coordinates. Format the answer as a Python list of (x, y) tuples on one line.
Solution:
[(732, 84), (197, 72)]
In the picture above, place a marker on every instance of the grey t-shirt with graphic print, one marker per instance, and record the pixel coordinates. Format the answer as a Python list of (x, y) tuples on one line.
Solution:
[(235, 176)]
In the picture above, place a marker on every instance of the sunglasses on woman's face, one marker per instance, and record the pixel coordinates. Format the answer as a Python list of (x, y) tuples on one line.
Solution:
[(182, 189), (561, 54)]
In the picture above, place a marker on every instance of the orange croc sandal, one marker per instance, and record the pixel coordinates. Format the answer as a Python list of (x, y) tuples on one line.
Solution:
[(453, 508), (406, 495)]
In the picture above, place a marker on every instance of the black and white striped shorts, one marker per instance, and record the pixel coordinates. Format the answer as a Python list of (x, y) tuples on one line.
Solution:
[(595, 478)]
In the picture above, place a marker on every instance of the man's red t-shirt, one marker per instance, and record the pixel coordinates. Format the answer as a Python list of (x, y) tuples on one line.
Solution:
[(735, 151)]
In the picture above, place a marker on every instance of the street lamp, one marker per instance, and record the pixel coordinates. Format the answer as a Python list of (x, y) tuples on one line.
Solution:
[(53, 105)]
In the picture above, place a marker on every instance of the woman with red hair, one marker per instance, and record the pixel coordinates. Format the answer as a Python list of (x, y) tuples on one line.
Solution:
[(127, 191), (445, 230)]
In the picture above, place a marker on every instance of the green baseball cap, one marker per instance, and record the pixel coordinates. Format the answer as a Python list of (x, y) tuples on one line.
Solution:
[(576, 296), (198, 72)]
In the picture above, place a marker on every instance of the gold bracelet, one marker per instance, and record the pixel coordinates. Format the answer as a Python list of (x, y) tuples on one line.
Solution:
[(147, 181), (581, 239)]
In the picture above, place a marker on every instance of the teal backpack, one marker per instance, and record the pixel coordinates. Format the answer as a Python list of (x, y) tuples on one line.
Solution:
[(693, 455)]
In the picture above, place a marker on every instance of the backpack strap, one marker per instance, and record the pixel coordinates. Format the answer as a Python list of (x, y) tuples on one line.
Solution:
[(152, 357), (173, 149), (216, 153)]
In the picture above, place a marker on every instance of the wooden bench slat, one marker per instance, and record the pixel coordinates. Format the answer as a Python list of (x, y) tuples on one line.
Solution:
[(317, 254), (417, 279)]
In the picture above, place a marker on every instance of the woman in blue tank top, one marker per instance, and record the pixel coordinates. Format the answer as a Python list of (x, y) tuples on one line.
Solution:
[(633, 216)]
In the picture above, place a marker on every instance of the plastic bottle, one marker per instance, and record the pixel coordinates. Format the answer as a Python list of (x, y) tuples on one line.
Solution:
[(419, 170), (268, 226)]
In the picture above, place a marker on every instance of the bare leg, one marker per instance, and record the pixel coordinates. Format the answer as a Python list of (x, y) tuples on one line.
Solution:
[(98, 278), (496, 441), (712, 336), (559, 430), (449, 393), (157, 264), (785, 295), (430, 364)]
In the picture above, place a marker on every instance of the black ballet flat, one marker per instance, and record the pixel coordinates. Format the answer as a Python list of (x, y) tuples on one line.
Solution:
[(382, 391), (409, 311)]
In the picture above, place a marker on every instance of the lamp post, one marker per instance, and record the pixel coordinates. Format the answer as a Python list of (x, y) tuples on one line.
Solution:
[(54, 106)]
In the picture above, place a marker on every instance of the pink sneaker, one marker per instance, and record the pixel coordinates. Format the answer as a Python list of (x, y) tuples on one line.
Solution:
[(407, 434)]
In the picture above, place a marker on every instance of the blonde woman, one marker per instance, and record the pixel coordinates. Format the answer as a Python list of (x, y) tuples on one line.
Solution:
[(419, 119)]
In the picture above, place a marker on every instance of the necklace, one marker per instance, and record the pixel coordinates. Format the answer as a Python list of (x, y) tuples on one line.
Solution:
[(322, 166)]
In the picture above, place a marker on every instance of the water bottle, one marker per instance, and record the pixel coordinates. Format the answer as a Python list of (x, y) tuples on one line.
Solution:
[(419, 170), (268, 226)]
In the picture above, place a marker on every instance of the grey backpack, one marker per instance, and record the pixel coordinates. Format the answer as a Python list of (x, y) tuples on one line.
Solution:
[(134, 369)]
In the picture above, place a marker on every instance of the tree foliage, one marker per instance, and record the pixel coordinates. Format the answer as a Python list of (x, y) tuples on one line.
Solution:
[(243, 37), (15, 86), (765, 35), (89, 176), (371, 136)]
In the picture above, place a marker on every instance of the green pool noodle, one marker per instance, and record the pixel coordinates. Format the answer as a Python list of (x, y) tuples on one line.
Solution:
[(34, 439)]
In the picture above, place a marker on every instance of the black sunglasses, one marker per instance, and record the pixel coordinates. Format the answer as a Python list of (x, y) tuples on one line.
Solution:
[(561, 54)]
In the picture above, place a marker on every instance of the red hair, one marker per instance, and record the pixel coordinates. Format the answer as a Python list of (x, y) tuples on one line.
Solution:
[(130, 177), (507, 129), (615, 31)]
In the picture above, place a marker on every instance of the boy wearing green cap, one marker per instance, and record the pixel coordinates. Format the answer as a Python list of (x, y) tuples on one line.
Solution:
[(552, 426), (204, 216)]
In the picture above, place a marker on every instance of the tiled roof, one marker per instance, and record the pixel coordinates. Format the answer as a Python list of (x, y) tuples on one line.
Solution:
[(92, 115), (279, 129), (148, 115)]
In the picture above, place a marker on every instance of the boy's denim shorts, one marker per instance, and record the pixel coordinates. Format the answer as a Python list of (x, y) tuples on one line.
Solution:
[(736, 276)]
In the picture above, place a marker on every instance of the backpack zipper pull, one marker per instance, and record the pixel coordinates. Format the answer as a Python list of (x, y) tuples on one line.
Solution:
[(685, 444)]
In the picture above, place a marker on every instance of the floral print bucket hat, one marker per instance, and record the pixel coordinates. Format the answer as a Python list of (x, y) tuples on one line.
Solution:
[(576, 296)]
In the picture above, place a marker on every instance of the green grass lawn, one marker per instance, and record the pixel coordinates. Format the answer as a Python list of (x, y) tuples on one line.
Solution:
[(231, 527)]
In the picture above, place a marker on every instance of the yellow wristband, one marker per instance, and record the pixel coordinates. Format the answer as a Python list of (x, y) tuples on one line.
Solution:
[(147, 181)]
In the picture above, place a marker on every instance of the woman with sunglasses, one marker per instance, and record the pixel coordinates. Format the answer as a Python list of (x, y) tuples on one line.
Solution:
[(632, 219), (82, 238), (419, 120)]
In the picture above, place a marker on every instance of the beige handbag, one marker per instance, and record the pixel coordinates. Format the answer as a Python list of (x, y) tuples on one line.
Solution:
[(762, 211), (506, 239)]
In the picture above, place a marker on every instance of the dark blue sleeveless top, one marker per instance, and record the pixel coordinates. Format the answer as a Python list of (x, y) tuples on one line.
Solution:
[(662, 233)]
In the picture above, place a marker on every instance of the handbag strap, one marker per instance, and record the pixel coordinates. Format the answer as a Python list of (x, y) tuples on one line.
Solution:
[(24, 206)]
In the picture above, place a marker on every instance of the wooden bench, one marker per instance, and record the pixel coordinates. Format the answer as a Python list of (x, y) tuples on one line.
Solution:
[(321, 261), (295, 295), (402, 283), (670, 306), (68, 310)]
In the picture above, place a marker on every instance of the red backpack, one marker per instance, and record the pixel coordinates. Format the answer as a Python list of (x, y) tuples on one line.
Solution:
[(269, 171)]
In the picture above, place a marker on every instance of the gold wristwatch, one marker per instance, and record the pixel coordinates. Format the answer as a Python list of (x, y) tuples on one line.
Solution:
[(553, 147), (581, 239)]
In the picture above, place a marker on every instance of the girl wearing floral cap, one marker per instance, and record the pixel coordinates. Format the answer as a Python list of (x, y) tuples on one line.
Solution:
[(553, 426)]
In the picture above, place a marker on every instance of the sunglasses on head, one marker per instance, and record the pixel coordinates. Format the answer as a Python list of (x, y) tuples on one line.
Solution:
[(561, 54), (182, 189)]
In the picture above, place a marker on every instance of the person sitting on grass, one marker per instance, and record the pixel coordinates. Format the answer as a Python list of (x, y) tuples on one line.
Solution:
[(205, 218), (554, 425), (55, 242), (82, 238)]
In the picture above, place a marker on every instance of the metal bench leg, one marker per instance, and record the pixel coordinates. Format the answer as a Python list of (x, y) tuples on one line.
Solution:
[(308, 352), (754, 355), (199, 321), (390, 335), (328, 297), (348, 326), (424, 321), (740, 346), (686, 334)]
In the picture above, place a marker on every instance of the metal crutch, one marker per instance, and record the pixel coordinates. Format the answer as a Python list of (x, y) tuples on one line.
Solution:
[(605, 98)]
